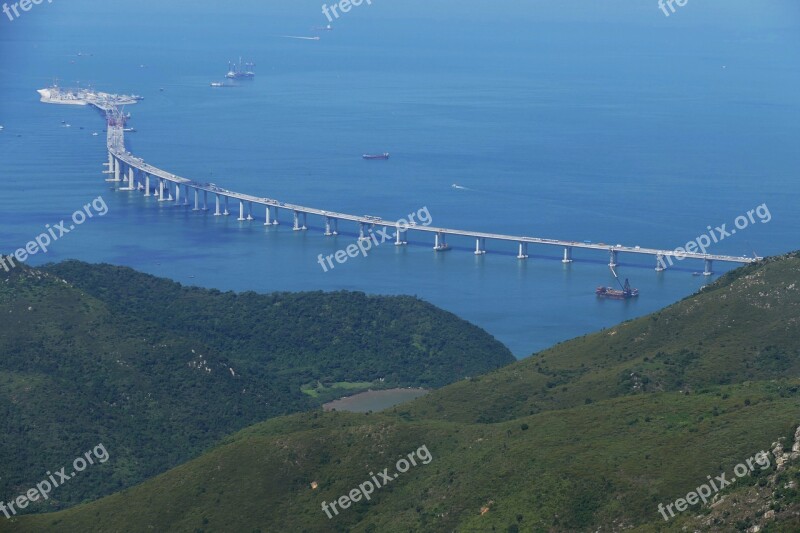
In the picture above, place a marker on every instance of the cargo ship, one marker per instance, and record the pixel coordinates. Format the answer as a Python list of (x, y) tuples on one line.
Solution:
[(384, 155)]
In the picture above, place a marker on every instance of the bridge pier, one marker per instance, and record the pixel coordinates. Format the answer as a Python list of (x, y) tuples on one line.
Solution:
[(328, 231), (127, 179), (217, 213), (361, 234), (661, 265), (185, 195), (612, 262), (523, 250), (226, 212), (205, 200), (440, 244), (267, 221), (177, 194), (567, 255), (146, 184), (480, 246), (297, 226), (250, 211), (241, 211), (400, 237), (196, 199), (116, 169), (707, 267), (161, 190), (275, 221)]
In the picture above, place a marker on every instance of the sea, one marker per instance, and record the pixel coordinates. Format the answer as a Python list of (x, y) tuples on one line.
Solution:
[(612, 122)]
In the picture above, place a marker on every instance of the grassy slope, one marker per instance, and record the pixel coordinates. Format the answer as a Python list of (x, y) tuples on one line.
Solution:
[(126, 368), (535, 452)]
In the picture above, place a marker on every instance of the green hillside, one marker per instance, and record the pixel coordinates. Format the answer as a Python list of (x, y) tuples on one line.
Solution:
[(158, 372), (595, 432)]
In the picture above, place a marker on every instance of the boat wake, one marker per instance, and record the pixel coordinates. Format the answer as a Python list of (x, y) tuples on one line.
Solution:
[(302, 38)]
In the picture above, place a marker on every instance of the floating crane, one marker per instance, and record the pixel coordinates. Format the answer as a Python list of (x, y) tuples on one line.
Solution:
[(625, 293)]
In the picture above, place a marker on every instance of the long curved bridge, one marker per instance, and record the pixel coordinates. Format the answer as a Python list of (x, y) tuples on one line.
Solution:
[(136, 174)]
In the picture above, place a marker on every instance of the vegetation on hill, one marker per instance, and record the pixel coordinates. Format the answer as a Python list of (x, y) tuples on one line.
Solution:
[(158, 372), (596, 432)]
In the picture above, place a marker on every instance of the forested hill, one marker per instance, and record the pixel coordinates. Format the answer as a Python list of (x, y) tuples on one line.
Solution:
[(158, 372), (591, 435)]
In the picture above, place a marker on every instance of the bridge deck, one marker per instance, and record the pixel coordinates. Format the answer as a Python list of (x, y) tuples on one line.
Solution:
[(116, 147)]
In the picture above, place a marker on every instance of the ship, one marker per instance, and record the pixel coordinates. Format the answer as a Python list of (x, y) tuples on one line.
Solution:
[(384, 155), (240, 70), (626, 293)]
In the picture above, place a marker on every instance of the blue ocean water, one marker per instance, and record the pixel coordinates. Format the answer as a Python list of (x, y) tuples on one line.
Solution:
[(572, 120)]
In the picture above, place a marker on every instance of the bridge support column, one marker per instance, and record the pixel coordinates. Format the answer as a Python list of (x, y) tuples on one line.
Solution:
[(196, 200), (161, 190), (305, 221), (361, 234), (217, 213), (328, 231), (480, 246), (267, 221), (131, 178), (523, 250), (146, 184), (661, 265), (250, 211), (296, 221), (241, 211), (186, 195), (400, 237), (226, 212), (612, 262), (205, 200), (707, 270), (275, 221), (116, 169), (567, 255), (177, 194), (440, 244)]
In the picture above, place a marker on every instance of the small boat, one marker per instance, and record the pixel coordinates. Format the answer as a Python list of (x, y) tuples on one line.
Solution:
[(95, 134), (1, 128), (217, 84), (371, 157)]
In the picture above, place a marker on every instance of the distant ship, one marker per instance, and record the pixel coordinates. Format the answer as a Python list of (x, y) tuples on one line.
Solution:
[(614, 294), (384, 155), (240, 70)]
